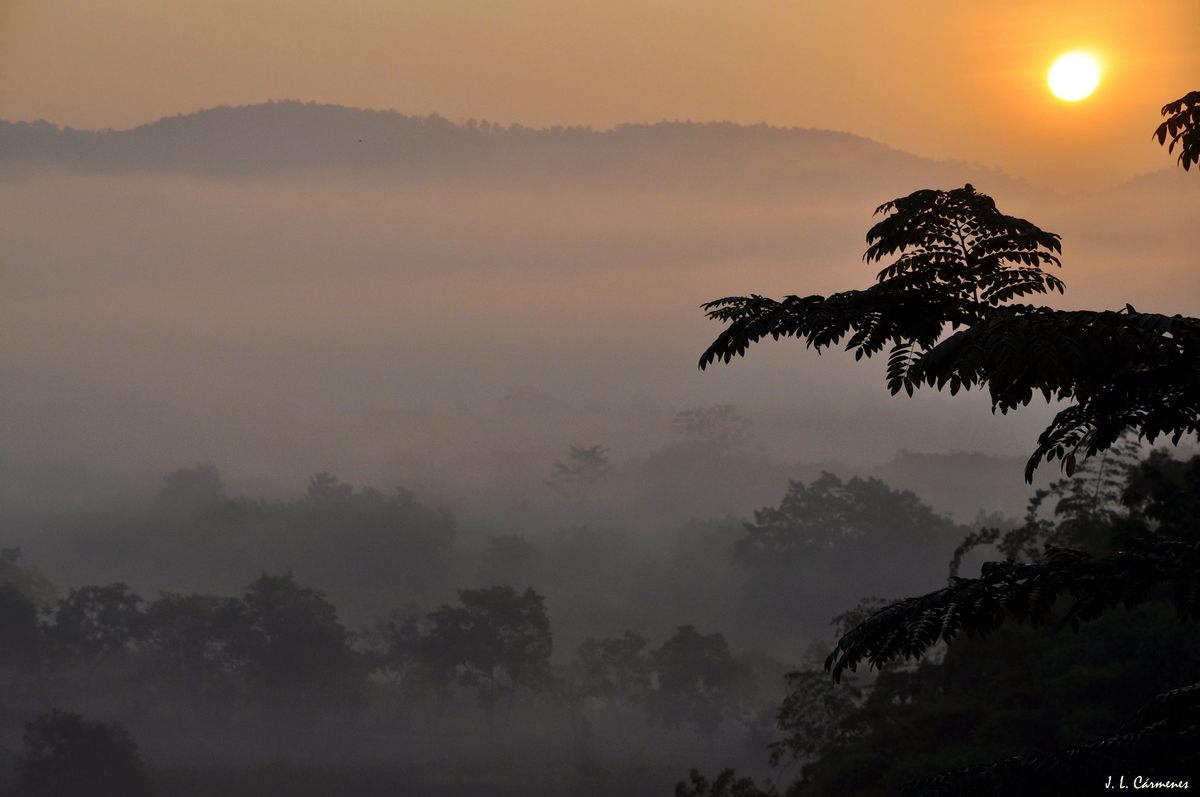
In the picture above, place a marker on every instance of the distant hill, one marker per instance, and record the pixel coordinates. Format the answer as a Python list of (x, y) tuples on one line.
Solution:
[(294, 138)]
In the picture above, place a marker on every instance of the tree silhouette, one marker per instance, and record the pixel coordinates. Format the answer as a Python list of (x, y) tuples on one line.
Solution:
[(398, 660), (699, 682), (195, 638), (510, 644), (577, 478), (617, 671), (190, 490), (908, 628), (296, 652), (27, 579), (67, 756), (959, 264), (1088, 513), (443, 650), (831, 516), (20, 634), (497, 641), (96, 623), (1183, 128), (1166, 492), (718, 427)]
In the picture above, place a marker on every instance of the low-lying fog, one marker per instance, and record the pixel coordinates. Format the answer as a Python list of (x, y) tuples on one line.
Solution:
[(504, 325), (395, 324)]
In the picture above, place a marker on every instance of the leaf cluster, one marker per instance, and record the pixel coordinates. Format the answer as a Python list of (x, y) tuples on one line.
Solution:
[(587, 466), (616, 669), (834, 515), (281, 642), (66, 754), (726, 784), (1182, 126), (1166, 492), (495, 640), (959, 262), (813, 716), (1025, 592), (1093, 510), (1123, 369), (93, 623), (958, 259), (699, 682), (294, 647), (1162, 738)]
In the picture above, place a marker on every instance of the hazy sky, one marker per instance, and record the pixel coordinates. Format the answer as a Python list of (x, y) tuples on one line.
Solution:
[(939, 78), (279, 327)]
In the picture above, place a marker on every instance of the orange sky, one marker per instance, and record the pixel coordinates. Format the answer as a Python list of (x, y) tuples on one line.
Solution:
[(940, 78)]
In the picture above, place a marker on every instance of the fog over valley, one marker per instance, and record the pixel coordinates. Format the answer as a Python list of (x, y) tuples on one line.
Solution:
[(242, 287), (350, 452)]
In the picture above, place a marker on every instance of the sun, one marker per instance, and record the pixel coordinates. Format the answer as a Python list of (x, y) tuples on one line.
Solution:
[(1073, 77)]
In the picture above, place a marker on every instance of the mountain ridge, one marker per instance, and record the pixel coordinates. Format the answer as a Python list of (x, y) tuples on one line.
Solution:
[(291, 137)]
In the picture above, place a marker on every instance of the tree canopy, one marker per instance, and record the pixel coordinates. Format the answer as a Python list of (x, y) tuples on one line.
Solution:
[(295, 648), (496, 640), (946, 305), (699, 682), (68, 755), (830, 515), (957, 266), (1182, 126)]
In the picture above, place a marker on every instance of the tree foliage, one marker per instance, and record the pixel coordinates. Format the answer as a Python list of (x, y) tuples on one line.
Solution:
[(95, 623), (399, 659), (699, 682), (1166, 494), (726, 784), (830, 515), (497, 641), (945, 305), (296, 652), (908, 628), (617, 669), (812, 716), (1016, 694), (68, 756), (445, 649), (1162, 741), (29, 580), (20, 633), (190, 491), (196, 638), (511, 641), (717, 427), (586, 466), (959, 264), (1182, 127), (378, 547), (1149, 498), (1086, 514)]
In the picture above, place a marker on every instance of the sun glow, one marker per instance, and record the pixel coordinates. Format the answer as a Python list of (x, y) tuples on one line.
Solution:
[(1074, 77)]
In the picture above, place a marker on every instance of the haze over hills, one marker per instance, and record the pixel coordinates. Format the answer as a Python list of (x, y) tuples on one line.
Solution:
[(244, 342), (353, 451), (294, 138), (290, 288)]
